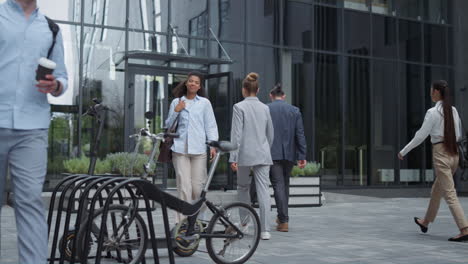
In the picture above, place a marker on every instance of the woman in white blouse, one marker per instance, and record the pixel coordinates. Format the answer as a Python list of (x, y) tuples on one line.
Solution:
[(196, 125), (443, 124)]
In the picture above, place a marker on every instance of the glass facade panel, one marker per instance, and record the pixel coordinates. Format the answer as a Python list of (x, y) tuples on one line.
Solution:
[(410, 34), (384, 122), (357, 114), (105, 12), (435, 44), (327, 2), (384, 37), (327, 21), (266, 62), (236, 53), (327, 148), (412, 110), (149, 15), (65, 10), (410, 8), (299, 24), (357, 33), (228, 19), (385, 7), (189, 17), (362, 5), (263, 20), (101, 80), (437, 10)]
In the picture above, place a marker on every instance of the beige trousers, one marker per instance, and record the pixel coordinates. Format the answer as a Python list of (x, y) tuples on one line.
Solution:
[(190, 177), (444, 168)]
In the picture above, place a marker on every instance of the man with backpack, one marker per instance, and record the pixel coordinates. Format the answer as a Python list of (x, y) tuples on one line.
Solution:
[(27, 36)]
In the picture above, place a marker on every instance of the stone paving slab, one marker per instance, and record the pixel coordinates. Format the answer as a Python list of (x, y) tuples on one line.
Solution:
[(337, 233)]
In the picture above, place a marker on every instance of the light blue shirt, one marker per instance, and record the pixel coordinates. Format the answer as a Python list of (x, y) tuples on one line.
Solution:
[(197, 124), (22, 42)]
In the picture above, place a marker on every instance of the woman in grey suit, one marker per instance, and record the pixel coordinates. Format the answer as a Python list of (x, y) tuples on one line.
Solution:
[(252, 132)]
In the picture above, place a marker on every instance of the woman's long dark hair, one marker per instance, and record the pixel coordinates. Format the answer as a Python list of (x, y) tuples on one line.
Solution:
[(181, 89), (450, 141)]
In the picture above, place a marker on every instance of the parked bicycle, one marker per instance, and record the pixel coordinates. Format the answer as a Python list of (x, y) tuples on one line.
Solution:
[(232, 235)]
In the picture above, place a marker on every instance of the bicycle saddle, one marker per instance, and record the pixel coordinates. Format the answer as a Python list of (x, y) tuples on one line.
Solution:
[(224, 146)]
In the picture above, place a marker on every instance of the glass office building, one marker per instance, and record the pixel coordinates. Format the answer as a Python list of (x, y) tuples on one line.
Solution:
[(360, 71)]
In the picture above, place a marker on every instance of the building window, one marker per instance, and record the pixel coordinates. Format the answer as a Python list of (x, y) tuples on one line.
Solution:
[(362, 5), (385, 7), (326, 25), (198, 27), (357, 33)]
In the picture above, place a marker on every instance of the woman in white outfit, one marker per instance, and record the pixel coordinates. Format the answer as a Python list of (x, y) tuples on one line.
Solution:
[(196, 125), (443, 124), (252, 131)]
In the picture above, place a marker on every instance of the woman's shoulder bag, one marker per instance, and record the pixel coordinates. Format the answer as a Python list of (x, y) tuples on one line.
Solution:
[(165, 152)]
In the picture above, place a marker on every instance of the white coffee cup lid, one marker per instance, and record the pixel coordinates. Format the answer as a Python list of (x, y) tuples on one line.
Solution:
[(47, 63)]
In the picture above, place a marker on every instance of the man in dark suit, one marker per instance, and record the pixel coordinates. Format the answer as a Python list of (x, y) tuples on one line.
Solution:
[(289, 146)]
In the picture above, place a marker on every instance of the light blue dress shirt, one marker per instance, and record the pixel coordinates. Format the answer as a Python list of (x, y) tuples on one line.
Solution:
[(197, 124), (22, 42)]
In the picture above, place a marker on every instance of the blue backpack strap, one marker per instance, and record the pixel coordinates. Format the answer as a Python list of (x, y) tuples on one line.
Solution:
[(55, 29)]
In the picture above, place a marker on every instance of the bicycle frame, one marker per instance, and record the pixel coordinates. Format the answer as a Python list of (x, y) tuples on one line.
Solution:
[(213, 208)]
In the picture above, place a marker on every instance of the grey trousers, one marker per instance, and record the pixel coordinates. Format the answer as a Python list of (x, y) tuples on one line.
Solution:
[(262, 183), (25, 153), (280, 173)]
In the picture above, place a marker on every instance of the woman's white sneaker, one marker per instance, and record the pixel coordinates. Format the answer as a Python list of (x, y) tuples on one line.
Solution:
[(265, 235)]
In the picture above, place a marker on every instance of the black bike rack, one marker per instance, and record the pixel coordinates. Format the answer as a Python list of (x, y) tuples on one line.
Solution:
[(66, 191), (75, 188)]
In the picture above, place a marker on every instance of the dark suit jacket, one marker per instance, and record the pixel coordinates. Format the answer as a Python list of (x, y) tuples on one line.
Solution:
[(289, 142)]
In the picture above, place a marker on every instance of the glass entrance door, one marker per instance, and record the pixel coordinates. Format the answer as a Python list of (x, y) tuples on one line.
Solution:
[(219, 91), (146, 92)]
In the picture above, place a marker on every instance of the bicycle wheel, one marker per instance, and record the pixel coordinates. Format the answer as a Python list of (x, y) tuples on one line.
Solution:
[(234, 250), (183, 247), (123, 241), (67, 239)]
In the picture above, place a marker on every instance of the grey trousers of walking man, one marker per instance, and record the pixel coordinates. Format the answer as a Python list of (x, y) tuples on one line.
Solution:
[(25, 153)]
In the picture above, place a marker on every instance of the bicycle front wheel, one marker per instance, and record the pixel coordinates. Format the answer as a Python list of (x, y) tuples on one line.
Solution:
[(123, 240), (234, 250)]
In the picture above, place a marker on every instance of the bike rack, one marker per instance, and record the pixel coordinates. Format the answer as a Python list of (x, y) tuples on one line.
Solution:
[(78, 187), (129, 185), (67, 190)]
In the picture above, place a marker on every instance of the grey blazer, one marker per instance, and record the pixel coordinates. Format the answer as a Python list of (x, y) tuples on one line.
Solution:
[(252, 132)]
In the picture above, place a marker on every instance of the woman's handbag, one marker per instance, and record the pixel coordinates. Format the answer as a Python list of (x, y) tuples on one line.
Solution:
[(165, 152)]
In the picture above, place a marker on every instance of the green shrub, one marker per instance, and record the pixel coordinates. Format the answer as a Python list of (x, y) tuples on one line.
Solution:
[(128, 164), (103, 167), (81, 166), (122, 163), (55, 165), (296, 171), (77, 165), (312, 168)]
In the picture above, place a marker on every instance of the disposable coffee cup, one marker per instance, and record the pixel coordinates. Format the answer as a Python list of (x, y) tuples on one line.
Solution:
[(45, 67)]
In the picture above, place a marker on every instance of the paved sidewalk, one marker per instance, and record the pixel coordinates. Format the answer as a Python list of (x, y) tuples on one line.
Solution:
[(372, 230)]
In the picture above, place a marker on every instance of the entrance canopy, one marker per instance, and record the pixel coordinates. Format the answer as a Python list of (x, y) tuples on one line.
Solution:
[(167, 58)]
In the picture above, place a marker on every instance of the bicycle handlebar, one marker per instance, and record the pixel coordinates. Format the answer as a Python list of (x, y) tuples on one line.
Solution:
[(160, 136), (96, 108)]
